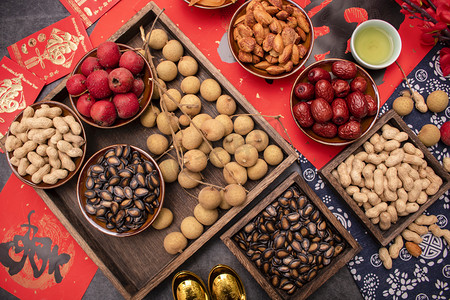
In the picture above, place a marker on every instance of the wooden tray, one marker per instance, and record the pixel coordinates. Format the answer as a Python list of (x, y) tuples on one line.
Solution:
[(384, 237), (136, 265), (323, 274)]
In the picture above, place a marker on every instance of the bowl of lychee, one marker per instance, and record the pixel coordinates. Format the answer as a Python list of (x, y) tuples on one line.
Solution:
[(334, 102), (110, 86)]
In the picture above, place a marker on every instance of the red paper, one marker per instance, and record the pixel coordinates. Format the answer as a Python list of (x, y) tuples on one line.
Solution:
[(207, 30), (62, 269), (53, 52), (88, 10), (18, 89)]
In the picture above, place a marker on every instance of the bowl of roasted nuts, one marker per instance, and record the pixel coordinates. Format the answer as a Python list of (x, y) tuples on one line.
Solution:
[(271, 39), (120, 190), (45, 144), (210, 4), (335, 102)]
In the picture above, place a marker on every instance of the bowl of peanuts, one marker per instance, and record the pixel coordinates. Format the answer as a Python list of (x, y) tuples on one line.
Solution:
[(271, 40), (46, 144)]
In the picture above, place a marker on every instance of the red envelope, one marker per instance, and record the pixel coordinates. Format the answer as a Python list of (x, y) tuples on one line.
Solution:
[(53, 52), (39, 259), (18, 89), (89, 10)]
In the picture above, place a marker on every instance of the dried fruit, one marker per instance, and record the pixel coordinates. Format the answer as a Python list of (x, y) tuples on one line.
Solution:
[(327, 129), (358, 84), (321, 110), (302, 113), (371, 105), (357, 104), (344, 69), (350, 130), (324, 90), (316, 74), (341, 87), (304, 91), (340, 111), (413, 249)]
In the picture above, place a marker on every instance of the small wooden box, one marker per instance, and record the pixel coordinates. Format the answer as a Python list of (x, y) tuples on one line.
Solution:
[(384, 237), (352, 247)]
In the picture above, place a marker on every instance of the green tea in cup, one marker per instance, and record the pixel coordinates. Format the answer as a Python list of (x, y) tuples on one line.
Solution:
[(374, 45)]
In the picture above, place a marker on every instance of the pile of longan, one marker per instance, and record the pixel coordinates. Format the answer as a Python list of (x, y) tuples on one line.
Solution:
[(226, 141)]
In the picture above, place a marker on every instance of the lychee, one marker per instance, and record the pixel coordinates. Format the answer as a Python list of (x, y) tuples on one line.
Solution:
[(84, 104), (120, 80), (108, 54), (104, 113), (97, 84), (89, 65), (138, 87), (76, 84), (132, 61), (127, 105)]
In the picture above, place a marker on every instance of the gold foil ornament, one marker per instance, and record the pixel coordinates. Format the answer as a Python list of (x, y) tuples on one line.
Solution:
[(187, 285), (225, 284)]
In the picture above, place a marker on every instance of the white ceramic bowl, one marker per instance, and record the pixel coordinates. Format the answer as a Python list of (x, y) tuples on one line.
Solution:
[(393, 36)]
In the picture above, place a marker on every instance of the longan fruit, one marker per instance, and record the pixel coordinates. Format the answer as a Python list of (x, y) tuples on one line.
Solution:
[(219, 157), (234, 173), (157, 143), (429, 135), (235, 194), (169, 169), (175, 242), (170, 105), (192, 138), (224, 204), (226, 122), (148, 117), (164, 219), (205, 216), (166, 122), (213, 130), (191, 105), (205, 147), (195, 160), (257, 138), (167, 70), (225, 105), (258, 171), (188, 179), (155, 94), (190, 85), (437, 101), (243, 125), (187, 66), (191, 228), (209, 197), (403, 105), (199, 119), (158, 38), (173, 50), (210, 90), (233, 141), (246, 155), (273, 155), (184, 120)]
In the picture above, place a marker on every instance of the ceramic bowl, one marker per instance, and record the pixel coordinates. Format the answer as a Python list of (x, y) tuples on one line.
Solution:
[(66, 111), (144, 99), (366, 123), (239, 16), (108, 186), (384, 30)]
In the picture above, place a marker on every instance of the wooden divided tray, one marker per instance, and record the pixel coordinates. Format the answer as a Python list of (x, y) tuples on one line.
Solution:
[(137, 264), (384, 237), (323, 274)]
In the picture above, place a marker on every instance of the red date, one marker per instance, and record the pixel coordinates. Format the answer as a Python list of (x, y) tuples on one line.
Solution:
[(350, 130), (340, 111), (302, 114), (321, 110), (324, 90), (341, 87), (344, 69), (372, 105), (304, 91), (317, 74), (326, 130), (358, 84), (357, 104)]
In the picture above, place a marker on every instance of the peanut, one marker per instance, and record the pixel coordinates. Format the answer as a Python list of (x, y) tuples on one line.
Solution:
[(423, 197), (31, 169), (385, 220), (360, 197), (42, 136), (355, 173), (61, 125), (66, 161), (67, 148), (419, 229), (411, 236), (403, 174), (393, 213), (74, 125), (52, 154), (437, 231), (42, 150), (17, 127), (55, 175), (385, 258), (376, 210), (76, 140), (368, 147), (35, 159), (395, 248), (344, 176), (446, 163), (23, 151), (39, 174), (426, 220), (42, 122), (435, 180), (395, 157), (12, 143), (47, 111), (378, 181), (367, 173), (22, 167)]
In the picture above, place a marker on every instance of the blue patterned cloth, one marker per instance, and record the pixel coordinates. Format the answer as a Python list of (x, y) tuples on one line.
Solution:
[(425, 277)]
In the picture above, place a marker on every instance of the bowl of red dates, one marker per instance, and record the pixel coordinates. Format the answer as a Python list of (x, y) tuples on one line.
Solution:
[(334, 101)]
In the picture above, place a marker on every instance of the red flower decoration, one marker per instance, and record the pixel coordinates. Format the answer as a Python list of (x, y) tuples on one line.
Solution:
[(444, 60)]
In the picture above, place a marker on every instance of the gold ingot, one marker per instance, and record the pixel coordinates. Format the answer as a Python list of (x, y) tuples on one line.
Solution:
[(225, 284), (187, 285)]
